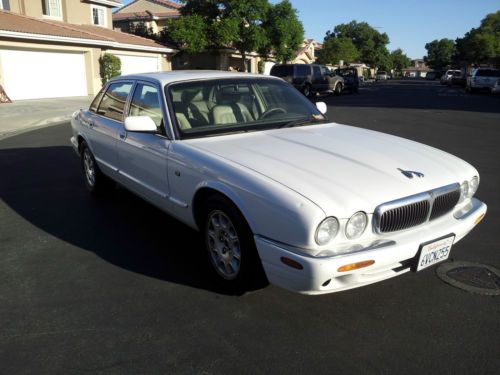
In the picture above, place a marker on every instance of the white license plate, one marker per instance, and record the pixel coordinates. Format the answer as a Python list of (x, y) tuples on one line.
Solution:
[(434, 252)]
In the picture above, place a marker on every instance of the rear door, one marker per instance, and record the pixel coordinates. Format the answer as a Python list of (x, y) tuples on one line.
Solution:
[(319, 81), (142, 157), (106, 123)]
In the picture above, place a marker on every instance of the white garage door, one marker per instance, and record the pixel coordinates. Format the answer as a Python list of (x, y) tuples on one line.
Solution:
[(34, 75), (138, 64)]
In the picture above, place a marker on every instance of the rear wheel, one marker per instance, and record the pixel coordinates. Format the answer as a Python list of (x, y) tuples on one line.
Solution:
[(230, 246)]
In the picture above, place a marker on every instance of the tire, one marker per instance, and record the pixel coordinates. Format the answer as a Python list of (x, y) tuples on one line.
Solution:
[(337, 89), (306, 90), (230, 247), (95, 181)]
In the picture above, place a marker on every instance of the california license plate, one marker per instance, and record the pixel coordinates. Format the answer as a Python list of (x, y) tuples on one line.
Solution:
[(434, 252)]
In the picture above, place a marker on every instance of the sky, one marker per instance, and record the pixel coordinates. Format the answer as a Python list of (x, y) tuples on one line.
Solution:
[(410, 24)]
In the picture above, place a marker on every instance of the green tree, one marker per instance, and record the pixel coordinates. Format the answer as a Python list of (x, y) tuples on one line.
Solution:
[(440, 53), (284, 32), (220, 24), (141, 29), (399, 60), (481, 44), (370, 43), (336, 49)]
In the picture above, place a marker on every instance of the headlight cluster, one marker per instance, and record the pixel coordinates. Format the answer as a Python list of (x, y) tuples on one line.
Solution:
[(468, 188), (330, 227)]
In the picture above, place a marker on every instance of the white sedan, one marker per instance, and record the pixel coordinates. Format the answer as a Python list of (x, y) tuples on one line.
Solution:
[(277, 191)]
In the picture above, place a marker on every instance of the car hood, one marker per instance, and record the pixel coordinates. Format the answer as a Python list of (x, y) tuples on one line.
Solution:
[(340, 168)]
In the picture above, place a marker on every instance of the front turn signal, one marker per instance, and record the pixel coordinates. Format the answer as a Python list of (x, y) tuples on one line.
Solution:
[(355, 266)]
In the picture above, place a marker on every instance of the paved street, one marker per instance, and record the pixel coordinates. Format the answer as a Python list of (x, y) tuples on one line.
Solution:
[(116, 286)]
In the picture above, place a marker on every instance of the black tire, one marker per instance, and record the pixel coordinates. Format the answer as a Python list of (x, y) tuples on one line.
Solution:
[(250, 274), (306, 90), (95, 181), (338, 89)]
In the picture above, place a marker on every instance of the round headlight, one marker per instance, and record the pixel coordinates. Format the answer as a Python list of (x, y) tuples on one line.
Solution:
[(464, 191), (327, 230), (356, 225), (473, 185)]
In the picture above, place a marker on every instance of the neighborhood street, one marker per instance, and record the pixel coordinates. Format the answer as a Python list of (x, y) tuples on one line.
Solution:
[(113, 285)]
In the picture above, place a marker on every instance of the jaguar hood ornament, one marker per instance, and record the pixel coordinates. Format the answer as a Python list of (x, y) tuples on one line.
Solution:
[(411, 174)]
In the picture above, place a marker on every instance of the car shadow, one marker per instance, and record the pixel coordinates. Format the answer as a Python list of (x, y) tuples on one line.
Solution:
[(45, 187)]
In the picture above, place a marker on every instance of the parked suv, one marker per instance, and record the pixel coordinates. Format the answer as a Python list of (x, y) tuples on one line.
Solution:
[(309, 79), (482, 79)]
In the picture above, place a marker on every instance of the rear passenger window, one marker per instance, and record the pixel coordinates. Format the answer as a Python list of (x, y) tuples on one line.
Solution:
[(303, 70), (145, 102), (113, 101), (316, 71), (96, 101)]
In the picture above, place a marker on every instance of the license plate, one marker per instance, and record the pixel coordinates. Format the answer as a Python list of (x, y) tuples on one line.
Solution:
[(434, 252)]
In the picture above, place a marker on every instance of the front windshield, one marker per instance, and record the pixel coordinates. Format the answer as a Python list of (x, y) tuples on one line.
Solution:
[(219, 106)]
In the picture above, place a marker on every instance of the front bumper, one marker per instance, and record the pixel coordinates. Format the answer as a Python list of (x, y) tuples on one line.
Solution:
[(393, 256)]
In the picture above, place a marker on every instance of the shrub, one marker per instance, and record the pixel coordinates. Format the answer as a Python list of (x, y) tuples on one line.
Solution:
[(109, 67)]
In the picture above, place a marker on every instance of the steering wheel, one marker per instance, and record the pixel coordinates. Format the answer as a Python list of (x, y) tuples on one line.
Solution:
[(271, 111)]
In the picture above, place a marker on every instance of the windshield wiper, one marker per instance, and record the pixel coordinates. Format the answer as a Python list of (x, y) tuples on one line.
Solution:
[(303, 121)]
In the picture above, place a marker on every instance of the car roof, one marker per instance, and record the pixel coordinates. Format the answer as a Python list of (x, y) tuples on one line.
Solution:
[(165, 78)]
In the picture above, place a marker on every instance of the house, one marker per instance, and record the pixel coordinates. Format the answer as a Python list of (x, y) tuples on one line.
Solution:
[(154, 14), (51, 48), (417, 69)]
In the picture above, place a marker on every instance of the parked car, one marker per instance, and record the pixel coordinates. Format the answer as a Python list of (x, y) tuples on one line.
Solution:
[(457, 79), (271, 183), (381, 76), (482, 79), (351, 79), (496, 87), (446, 77), (309, 79)]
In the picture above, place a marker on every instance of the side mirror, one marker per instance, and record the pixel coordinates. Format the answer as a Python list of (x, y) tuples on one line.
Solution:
[(321, 107), (140, 124)]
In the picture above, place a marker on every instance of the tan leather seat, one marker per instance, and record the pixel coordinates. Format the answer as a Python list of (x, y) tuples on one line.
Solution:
[(231, 114)]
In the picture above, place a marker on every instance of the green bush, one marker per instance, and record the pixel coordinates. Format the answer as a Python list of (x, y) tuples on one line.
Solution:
[(109, 67)]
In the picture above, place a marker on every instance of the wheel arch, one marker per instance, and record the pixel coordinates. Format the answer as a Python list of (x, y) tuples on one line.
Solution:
[(214, 188)]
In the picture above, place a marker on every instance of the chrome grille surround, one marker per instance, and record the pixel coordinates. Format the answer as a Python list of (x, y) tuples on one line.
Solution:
[(414, 210)]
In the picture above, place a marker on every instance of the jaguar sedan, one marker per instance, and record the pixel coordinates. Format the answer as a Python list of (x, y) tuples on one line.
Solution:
[(278, 192)]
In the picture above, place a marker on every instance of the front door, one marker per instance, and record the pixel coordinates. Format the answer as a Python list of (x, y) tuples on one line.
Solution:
[(142, 157), (106, 123)]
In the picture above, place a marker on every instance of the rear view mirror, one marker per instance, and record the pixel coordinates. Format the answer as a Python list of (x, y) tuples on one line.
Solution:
[(321, 107), (140, 124)]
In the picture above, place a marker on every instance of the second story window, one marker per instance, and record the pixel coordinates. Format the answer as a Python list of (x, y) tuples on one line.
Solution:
[(52, 8), (98, 15)]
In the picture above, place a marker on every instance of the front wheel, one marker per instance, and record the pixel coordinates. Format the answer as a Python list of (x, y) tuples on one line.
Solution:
[(95, 180), (230, 246), (338, 89)]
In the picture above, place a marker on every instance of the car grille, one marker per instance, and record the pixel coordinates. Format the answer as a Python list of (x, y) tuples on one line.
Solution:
[(416, 209)]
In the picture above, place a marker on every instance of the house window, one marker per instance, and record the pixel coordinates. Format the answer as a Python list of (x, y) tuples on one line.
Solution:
[(98, 15), (52, 8), (4, 4)]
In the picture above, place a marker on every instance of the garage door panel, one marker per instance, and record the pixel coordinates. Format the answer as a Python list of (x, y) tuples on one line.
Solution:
[(33, 75), (138, 64)]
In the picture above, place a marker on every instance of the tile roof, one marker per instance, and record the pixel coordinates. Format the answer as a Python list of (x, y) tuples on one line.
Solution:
[(144, 15), (167, 4), (23, 24)]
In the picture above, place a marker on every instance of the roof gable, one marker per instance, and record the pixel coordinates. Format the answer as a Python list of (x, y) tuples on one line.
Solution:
[(152, 6)]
